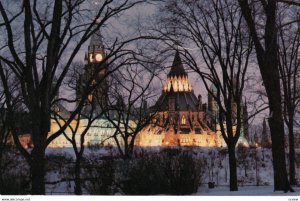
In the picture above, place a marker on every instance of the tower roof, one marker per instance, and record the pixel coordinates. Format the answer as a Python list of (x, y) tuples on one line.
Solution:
[(213, 88), (96, 44), (177, 67), (184, 101)]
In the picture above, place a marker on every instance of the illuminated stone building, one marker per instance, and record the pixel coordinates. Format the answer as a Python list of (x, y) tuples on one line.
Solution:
[(181, 118), (100, 131)]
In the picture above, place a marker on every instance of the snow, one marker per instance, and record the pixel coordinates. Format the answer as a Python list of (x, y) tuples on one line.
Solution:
[(253, 166), (245, 191)]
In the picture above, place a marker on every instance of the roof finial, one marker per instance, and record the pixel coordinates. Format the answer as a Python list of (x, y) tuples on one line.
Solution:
[(177, 68)]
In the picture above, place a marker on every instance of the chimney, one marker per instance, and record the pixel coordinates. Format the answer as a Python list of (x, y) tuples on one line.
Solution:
[(204, 107)]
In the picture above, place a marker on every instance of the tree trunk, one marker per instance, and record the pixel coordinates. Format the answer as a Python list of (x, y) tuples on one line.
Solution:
[(78, 190), (37, 168), (127, 154), (271, 78), (276, 126), (256, 168), (37, 163), (232, 168), (292, 169)]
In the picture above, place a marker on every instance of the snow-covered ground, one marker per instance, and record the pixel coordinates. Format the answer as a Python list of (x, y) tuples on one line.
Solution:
[(245, 191), (254, 166)]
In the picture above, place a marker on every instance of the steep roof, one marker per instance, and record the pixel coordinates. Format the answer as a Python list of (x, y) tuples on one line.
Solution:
[(177, 68), (184, 101), (96, 44)]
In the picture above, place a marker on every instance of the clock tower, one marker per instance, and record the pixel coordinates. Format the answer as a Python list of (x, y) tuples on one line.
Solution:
[(95, 72), (96, 52)]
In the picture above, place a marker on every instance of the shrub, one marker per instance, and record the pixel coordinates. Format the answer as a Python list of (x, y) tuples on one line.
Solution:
[(57, 161), (99, 175), (184, 172), (14, 179), (171, 171), (143, 176), (14, 185)]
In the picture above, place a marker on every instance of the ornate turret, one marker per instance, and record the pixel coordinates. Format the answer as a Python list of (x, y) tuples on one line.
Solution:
[(177, 92), (95, 63), (95, 52), (177, 77), (265, 140)]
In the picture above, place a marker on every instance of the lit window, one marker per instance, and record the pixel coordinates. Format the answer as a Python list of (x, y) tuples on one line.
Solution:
[(183, 120)]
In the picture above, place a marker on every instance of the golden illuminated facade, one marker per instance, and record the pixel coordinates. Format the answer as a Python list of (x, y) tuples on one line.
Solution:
[(180, 117), (179, 84), (99, 133)]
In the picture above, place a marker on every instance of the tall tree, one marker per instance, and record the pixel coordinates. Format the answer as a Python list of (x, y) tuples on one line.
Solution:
[(45, 46), (214, 30), (264, 32), (289, 66)]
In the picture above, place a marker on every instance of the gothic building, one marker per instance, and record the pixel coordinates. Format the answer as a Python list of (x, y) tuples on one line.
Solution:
[(181, 118), (95, 74)]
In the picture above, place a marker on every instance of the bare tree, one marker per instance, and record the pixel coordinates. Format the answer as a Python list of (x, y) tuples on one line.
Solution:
[(45, 46), (131, 90), (264, 32), (216, 30)]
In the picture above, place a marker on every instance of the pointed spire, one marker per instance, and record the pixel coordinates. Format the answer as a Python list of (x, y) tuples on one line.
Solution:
[(245, 120), (177, 68), (96, 44), (265, 141), (255, 139), (264, 127), (213, 88)]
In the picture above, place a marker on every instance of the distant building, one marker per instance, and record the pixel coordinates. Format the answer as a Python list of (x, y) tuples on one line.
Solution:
[(100, 133), (181, 118)]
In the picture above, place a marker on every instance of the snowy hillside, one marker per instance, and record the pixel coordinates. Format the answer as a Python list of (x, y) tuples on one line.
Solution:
[(254, 166)]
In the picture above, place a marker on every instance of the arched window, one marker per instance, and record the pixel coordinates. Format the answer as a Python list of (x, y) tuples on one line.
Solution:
[(183, 120)]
